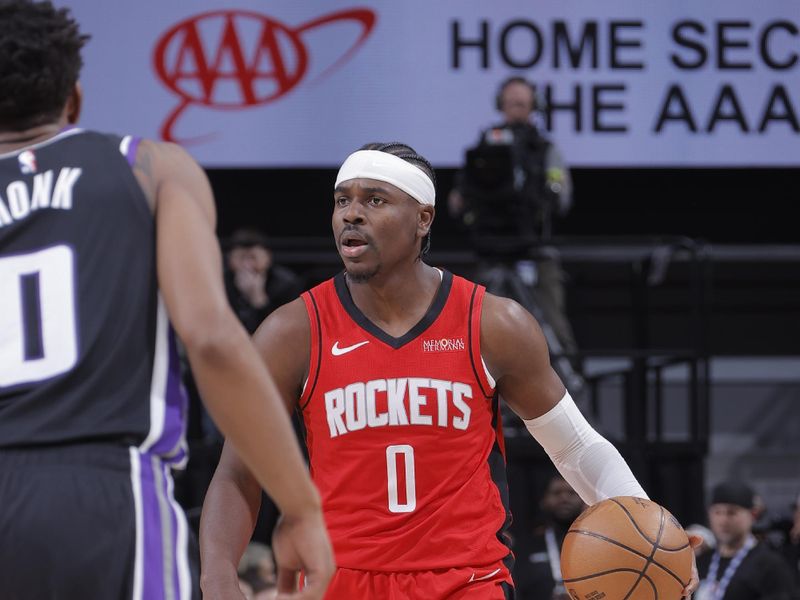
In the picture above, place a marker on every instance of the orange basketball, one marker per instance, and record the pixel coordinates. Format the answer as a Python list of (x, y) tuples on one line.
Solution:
[(626, 548)]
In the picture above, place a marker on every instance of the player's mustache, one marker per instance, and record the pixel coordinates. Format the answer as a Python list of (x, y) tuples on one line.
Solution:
[(354, 229)]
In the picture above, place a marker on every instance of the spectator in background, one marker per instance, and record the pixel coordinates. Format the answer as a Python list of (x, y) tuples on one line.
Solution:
[(762, 520), (255, 285), (514, 182), (790, 549), (537, 571), (741, 568), (257, 572)]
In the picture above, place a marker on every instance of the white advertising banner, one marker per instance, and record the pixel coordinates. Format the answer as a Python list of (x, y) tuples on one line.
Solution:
[(285, 83)]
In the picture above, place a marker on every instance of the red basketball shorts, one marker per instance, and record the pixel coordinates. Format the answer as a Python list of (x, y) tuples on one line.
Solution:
[(485, 583)]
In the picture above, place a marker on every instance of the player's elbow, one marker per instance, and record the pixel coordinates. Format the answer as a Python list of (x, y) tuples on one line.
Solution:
[(213, 335)]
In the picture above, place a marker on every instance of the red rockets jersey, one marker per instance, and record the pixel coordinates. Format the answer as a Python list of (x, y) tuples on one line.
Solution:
[(404, 435)]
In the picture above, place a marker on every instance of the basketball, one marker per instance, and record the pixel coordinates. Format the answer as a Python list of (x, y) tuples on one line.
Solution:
[(626, 548)]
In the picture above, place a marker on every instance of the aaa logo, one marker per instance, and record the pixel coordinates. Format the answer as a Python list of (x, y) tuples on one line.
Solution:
[(253, 60)]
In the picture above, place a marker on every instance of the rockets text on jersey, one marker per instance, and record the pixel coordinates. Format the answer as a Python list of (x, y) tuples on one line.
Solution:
[(397, 401)]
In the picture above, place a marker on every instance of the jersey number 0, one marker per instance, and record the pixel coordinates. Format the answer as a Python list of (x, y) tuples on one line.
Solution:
[(38, 338), (407, 453)]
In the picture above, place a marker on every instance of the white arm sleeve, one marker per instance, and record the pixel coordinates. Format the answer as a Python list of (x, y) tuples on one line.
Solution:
[(589, 462)]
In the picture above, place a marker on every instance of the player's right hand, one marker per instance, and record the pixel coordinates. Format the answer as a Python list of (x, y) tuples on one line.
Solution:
[(694, 582), (302, 544)]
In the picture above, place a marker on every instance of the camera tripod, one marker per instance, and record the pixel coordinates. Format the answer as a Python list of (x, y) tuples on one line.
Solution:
[(503, 279)]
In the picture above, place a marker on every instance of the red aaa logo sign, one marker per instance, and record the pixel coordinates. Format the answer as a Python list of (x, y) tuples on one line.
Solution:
[(262, 67)]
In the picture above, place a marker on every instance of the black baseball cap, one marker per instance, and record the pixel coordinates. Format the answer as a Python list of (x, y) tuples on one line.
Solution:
[(733, 492)]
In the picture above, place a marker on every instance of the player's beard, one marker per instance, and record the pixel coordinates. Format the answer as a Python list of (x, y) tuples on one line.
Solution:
[(362, 276)]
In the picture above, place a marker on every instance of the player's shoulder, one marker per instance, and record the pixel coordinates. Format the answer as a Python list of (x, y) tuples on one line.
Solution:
[(503, 314), (287, 324), (495, 310), (165, 153), (125, 140), (155, 162), (508, 331), (290, 315)]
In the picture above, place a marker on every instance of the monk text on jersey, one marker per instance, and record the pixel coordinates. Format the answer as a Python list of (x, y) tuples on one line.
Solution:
[(22, 198)]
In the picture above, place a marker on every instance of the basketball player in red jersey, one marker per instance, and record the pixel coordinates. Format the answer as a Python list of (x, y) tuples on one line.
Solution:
[(397, 368)]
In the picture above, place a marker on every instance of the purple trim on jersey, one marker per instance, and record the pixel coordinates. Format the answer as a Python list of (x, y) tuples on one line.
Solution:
[(162, 520), (152, 531), (175, 402), (173, 521), (179, 457), (132, 148)]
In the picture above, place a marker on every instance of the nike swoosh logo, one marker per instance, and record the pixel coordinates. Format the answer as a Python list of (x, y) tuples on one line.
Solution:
[(336, 351), (489, 576)]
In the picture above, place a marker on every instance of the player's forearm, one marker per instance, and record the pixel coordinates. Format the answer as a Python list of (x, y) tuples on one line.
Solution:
[(229, 516), (243, 401), (587, 461)]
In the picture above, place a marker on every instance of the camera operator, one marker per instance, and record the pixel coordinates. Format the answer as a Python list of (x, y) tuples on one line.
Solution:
[(539, 176), (514, 182)]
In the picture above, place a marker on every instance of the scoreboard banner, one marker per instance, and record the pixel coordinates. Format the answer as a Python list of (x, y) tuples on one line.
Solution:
[(620, 83)]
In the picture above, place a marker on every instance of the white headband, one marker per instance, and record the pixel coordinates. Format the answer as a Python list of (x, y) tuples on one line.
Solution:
[(373, 164)]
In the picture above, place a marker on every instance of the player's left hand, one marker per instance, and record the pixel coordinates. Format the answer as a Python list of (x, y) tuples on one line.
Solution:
[(694, 582), (301, 543)]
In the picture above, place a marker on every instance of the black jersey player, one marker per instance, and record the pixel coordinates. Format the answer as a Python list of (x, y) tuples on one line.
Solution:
[(106, 243)]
